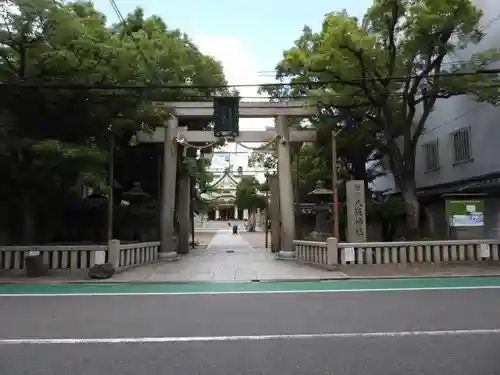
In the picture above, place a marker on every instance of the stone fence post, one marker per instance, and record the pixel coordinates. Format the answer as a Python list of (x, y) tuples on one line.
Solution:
[(114, 253), (332, 251)]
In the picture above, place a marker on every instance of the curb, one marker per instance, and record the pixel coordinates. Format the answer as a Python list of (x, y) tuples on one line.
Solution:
[(90, 282), (342, 277), (419, 277)]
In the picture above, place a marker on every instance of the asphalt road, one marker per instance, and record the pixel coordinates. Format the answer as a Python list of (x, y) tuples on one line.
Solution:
[(180, 317)]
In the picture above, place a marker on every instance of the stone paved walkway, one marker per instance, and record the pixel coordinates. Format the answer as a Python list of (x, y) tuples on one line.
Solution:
[(228, 257)]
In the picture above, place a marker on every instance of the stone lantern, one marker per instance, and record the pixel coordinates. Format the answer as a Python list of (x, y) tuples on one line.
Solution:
[(136, 195), (322, 198)]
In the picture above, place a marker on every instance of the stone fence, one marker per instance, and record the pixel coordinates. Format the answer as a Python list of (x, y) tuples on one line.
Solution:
[(332, 253), (81, 257)]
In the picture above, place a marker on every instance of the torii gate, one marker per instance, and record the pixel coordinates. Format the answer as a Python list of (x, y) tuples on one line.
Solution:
[(171, 132)]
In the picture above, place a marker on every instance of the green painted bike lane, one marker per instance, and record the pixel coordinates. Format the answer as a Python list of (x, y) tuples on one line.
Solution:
[(264, 287)]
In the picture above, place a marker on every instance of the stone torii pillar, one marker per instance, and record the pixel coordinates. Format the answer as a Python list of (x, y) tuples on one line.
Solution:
[(183, 212), (168, 249), (285, 189)]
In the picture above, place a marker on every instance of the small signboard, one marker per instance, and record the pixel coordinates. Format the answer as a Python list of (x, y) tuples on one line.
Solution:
[(484, 250), (100, 257), (465, 213), (349, 255)]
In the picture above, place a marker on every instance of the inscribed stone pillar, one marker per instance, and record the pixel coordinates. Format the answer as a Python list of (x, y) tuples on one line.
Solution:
[(356, 211)]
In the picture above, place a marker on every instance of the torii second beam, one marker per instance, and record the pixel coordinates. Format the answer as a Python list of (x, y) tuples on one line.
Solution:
[(207, 136)]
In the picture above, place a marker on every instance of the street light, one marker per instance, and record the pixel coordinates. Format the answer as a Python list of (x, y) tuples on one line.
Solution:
[(335, 189), (267, 209)]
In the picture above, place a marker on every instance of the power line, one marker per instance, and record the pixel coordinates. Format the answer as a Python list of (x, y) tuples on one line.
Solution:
[(355, 80), (136, 42), (444, 64), (468, 112), (492, 21)]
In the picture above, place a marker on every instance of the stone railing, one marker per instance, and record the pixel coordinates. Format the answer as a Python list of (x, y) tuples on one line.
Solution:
[(131, 255), (331, 253), (81, 257), (54, 257), (312, 252)]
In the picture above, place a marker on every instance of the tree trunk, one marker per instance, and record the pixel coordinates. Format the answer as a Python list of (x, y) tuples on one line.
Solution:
[(388, 229), (191, 212), (28, 211), (412, 211), (359, 168)]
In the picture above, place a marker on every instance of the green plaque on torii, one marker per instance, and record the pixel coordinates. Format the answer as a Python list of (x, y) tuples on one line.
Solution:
[(226, 116)]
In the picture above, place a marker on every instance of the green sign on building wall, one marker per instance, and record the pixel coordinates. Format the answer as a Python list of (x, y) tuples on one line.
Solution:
[(465, 213)]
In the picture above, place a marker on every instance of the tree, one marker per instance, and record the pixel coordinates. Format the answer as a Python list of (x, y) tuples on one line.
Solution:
[(201, 184), (180, 62), (247, 194), (392, 68), (169, 56), (51, 138), (313, 161), (265, 158), (248, 197)]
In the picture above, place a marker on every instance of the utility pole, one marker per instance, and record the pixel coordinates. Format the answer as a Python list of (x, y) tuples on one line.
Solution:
[(335, 192), (111, 184), (267, 211)]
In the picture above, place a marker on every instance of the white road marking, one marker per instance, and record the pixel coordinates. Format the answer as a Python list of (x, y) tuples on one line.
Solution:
[(135, 294), (156, 340)]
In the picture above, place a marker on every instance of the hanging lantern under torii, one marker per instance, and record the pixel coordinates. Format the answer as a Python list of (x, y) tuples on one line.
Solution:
[(226, 116)]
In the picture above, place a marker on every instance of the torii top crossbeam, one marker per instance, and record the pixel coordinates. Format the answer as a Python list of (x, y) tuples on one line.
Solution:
[(294, 108)]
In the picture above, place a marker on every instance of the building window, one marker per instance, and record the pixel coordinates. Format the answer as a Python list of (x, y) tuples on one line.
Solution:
[(461, 145), (431, 152)]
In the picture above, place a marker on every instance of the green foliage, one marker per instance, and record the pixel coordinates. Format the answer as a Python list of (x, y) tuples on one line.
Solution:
[(47, 42), (390, 70), (265, 159), (385, 209), (52, 138), (311, 168), (247, 194), (201, 182)]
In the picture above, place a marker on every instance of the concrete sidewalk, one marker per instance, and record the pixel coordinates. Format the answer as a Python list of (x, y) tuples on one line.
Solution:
[(228, 257)]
